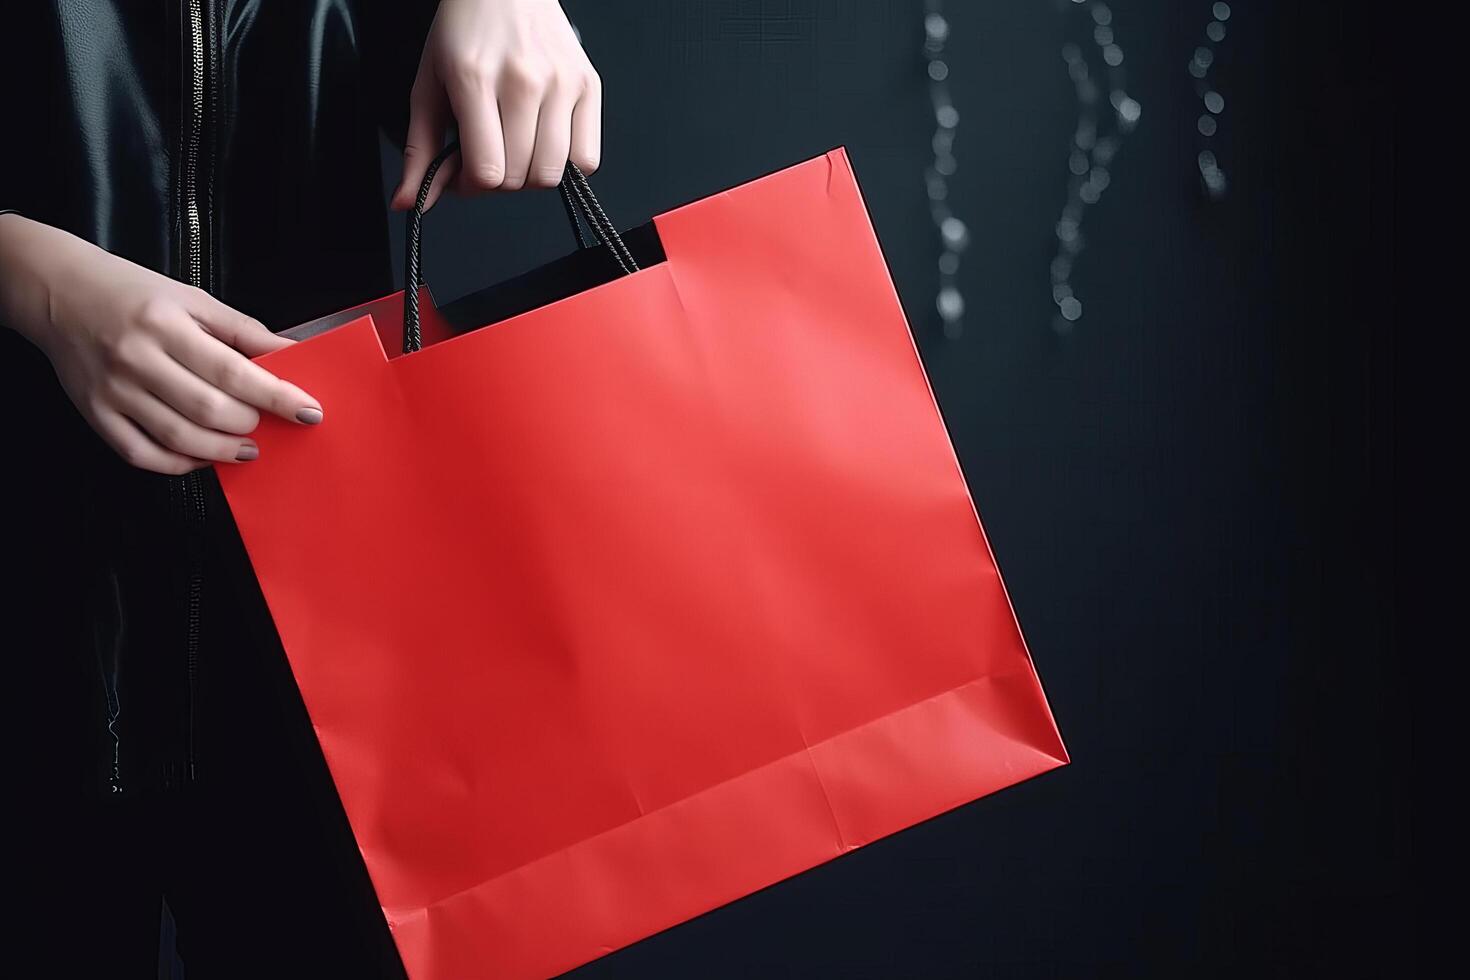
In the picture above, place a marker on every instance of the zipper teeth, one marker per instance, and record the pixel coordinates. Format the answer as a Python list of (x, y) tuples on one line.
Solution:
[(193, 270), (194, 226), (196, 589)]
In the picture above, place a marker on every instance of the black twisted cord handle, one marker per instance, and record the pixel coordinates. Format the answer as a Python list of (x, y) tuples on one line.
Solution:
[(412, 338), (570, 205), (577, 197), (598, 218)]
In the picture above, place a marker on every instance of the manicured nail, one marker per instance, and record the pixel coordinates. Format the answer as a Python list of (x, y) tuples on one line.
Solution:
[(248, 451), (311, 416)]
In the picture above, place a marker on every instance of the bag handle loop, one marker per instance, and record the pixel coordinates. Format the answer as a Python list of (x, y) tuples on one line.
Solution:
[(577, 198)]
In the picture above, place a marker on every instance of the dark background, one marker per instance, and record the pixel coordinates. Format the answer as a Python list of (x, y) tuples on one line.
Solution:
[(1190, 495)]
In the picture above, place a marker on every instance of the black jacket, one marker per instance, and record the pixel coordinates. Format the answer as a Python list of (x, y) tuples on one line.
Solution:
[(233, 144)]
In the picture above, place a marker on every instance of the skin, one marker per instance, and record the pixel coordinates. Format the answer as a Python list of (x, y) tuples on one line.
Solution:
[(513, 76), (162, 370)]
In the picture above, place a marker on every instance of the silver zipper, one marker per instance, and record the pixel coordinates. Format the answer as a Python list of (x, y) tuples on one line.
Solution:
[(193, 256), (193, 272)]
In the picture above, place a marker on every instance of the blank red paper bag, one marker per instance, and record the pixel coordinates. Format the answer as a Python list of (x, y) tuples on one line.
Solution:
[(623, 608)]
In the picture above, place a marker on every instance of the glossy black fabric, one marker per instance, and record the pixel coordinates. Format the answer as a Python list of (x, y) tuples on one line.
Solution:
[(92, 97), (92, 94)]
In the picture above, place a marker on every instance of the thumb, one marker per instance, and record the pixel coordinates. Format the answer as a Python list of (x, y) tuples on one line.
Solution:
[(428, 112)]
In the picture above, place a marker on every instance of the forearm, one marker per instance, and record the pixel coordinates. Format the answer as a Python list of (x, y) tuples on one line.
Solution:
[(32, 256), (22, 298)]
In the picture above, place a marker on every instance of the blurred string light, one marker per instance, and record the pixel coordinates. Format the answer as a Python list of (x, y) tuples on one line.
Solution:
[(953, 235), (1212, 177), (1094, 146)]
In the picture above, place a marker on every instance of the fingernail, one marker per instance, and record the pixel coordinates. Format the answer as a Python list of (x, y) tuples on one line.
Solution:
[(248, 451), (311, 416)]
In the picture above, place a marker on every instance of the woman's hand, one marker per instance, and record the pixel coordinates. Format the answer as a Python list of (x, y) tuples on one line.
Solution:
[(513, 76), (161, 370)]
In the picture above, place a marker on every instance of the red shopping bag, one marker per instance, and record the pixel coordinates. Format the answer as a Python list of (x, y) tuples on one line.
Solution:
[(622, 608)]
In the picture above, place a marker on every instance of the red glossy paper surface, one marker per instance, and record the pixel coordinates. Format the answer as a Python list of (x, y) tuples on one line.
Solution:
[(623, 608)]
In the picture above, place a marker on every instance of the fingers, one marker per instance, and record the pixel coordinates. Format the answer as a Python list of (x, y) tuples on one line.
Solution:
[(482, 155), (244, 333), (553, 140), (178, 435), (236, 376), (200, 402), (587, 127), (522, 111), (520, 131), (447, 176), (428, 115), (520, 108), (175, 395), (137, 448)]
